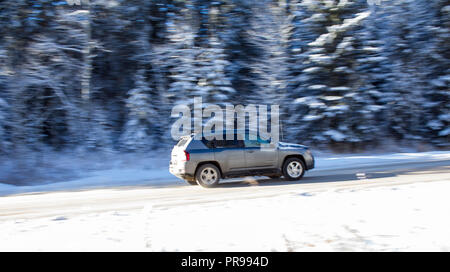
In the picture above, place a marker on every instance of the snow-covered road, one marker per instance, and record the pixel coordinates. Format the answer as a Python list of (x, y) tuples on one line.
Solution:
[(381, 205)]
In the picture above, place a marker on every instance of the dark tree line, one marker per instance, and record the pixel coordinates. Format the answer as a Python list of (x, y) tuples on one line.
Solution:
[(104, 75)]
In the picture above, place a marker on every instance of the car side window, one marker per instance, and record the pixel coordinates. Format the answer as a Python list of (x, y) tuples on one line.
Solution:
[(209, 144), (228, 143), (252, 143), (233, 144), (255, 143)]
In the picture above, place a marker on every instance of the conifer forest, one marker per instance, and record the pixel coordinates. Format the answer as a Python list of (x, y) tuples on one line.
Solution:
[(104, 74)]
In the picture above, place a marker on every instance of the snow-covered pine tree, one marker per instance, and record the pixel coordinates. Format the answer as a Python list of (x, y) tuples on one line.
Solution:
[(328, 99), (4, 107), (437, 108), (152, 57), (371, 77), (137, 133), (270, 68), (15, 27), (180, 63), (213, 85), (241, 50), (298, 32), (4, 141), (412, 50), (99, 136), (404, 110), (45, 85)]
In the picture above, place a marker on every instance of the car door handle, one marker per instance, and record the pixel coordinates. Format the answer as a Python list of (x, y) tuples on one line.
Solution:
[(250, 151)]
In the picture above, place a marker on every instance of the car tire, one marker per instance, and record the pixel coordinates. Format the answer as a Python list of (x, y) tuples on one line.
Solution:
[(293, 169), (207, 175)]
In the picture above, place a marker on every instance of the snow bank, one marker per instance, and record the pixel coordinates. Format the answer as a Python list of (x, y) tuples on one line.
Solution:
[(101, 179), (76, 173), (329, 162)]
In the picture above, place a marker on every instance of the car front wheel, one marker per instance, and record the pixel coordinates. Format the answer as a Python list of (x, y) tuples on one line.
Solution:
[(207, 175), (293, 169)]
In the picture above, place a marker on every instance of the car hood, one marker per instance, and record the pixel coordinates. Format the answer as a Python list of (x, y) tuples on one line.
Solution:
[(283, 145)]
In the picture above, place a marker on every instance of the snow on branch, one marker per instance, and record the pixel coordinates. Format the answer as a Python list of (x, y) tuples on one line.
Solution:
[(335, 30)]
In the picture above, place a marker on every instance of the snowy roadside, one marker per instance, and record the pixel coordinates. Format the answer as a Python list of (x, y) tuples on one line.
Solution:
[(400, 218), (154, 171), (410, 217)]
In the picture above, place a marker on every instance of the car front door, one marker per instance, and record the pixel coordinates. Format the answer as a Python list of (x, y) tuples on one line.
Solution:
[(258, 157)]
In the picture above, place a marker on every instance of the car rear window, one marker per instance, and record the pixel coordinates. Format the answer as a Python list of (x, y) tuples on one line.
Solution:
[(182, 141)]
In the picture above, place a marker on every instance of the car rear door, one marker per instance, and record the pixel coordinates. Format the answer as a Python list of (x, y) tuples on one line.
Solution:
[(230, 154)]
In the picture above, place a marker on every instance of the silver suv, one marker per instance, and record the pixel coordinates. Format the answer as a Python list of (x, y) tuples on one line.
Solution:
[(205, 162)]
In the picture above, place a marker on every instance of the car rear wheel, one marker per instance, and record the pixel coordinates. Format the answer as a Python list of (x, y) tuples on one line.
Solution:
[(207, 175), (293, 169)]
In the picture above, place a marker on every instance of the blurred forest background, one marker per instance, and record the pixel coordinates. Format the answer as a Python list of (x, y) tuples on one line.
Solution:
[(105, 74)]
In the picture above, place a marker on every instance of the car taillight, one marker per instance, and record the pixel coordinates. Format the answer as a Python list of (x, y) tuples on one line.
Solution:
[(187, 155)]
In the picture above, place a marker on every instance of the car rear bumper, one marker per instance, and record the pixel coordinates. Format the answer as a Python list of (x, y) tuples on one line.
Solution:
[(182, 170)]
